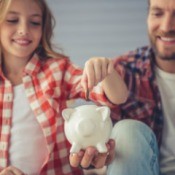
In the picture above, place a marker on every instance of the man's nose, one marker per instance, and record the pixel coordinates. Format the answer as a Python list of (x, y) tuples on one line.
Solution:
[(168, 23)]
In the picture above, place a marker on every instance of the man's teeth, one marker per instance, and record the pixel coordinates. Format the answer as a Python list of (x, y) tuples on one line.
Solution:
[(167, 39)]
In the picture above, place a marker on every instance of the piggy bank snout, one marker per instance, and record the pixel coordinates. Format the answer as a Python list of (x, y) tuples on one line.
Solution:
[(85, 127)]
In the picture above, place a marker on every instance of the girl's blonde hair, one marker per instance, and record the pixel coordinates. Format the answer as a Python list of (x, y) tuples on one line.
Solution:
[(45, 48)]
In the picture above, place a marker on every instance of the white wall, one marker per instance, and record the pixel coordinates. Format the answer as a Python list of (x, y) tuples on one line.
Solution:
[(87, 28)]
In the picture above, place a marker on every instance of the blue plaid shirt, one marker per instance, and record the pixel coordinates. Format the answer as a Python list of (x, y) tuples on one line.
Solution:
[(144, 102)]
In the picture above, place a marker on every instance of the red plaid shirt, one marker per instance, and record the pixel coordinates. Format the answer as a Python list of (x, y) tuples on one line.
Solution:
[(144, 102), (48, 85)]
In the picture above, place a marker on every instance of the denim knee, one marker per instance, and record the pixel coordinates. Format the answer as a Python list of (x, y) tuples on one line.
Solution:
[(132, 130), (136, 148)]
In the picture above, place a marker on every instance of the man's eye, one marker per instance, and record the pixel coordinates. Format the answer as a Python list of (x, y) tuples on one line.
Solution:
[(157, 14)]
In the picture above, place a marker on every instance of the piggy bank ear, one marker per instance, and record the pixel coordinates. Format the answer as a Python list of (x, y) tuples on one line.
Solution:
[(105, 112), (66, 113)]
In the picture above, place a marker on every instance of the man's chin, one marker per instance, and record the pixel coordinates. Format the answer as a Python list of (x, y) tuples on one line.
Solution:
[(166, 57)]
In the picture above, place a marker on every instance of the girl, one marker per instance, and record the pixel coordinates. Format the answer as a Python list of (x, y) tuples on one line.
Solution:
[(35, 83)]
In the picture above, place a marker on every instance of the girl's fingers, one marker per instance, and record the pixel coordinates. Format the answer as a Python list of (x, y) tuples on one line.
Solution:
[(84, 83), (88, 157), (100, 160), (110, 67), (97, 71), (75, 158), (11, 171), (16, 171), (105, 68), (89, 70)]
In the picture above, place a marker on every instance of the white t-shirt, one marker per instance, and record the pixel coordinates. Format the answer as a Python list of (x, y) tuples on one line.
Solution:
[(28, 150), (166, 84)]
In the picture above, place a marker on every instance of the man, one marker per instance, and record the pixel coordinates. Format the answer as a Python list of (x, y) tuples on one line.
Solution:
[(150, 75)]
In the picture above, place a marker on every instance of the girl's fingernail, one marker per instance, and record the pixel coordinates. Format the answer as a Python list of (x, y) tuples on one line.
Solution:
[(90, 152), (73, 154), (87, 94)]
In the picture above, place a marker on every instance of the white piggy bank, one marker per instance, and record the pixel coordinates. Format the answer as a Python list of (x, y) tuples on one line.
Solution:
[(87, 125)]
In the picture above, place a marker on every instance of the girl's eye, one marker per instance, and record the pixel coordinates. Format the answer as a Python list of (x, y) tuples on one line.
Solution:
[(35, 23), (12, 20)]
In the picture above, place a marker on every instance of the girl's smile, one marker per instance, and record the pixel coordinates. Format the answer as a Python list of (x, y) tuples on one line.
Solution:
[(22, 41)]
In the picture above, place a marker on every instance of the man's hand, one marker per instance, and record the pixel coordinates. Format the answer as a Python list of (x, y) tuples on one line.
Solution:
[(11, 171), (90, 156)]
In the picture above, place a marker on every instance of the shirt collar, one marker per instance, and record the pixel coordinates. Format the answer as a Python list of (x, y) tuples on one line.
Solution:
[(146, 67), (152, 64), (31, 68), (33, 65)]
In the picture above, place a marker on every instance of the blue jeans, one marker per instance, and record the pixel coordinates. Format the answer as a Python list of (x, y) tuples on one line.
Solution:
[(136, 149)]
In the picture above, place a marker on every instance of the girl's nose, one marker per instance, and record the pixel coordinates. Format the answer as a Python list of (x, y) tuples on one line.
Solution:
[(23, 29)]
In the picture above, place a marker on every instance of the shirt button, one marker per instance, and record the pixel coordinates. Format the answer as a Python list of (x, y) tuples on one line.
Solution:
[(6, 121), (8, 98), (30, 90), (38, 111), (2, 146)]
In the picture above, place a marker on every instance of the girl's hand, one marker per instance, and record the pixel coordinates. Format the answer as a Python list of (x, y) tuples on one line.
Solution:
[(11, 171), (95, 70), (91, 157)]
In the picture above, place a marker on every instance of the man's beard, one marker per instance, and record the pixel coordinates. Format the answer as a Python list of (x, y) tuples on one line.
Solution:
[(163, 56)]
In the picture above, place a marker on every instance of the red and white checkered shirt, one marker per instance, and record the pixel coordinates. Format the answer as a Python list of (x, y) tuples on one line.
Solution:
[(48, 85)]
